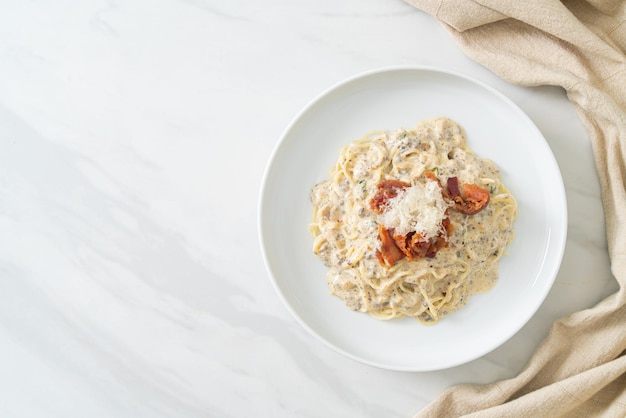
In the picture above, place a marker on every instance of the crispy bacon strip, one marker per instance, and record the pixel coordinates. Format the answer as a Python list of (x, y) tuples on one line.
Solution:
[(413, 246), (470, 199), (386, 190), (453, 187), (476, 198), (388, 253)]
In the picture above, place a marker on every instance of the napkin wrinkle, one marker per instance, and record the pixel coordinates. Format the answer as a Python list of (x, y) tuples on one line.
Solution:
[(461, 15), (580, 367), (610, 376), (466, 15), (607, 7)]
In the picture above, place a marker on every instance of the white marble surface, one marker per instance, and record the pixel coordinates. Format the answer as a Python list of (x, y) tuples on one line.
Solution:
[(133, 139)]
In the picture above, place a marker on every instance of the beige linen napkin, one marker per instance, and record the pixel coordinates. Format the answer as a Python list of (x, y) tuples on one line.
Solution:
[(580, 368)]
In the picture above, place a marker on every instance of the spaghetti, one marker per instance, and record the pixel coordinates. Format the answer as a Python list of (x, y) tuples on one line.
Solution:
[(449, 245)]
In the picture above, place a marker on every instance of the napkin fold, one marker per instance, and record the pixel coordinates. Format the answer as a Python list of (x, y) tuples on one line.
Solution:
[(579, 370)]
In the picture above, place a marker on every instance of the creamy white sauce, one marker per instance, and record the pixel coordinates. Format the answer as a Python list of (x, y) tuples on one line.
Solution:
[(345, 229)]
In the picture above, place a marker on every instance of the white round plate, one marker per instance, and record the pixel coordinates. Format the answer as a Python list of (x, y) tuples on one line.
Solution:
[(388, 99)]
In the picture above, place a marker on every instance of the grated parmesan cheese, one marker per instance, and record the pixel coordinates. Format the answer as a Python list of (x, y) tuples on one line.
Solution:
[(419, 208)]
